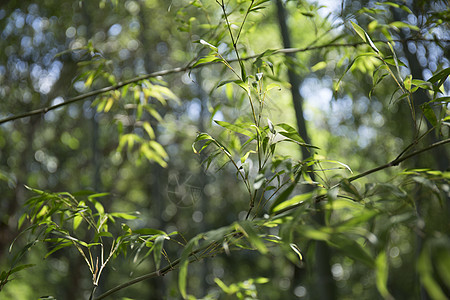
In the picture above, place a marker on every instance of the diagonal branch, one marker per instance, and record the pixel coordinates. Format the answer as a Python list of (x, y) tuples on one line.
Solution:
[(398, 160), (190, 66), (393, 163)]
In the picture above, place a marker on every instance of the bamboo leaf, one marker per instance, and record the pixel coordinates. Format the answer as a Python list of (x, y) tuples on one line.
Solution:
[(319, 66), (296, 249), (148, 128), (184, 261), (203, 42), (298, 199), (285, 194), (59, 247), (125, 216), (239, 128), (359, 31), (207, 59), (428, 112), (425, 269), (400, 24), (77, 221), (157, 251), (382, 271), (246, 227)]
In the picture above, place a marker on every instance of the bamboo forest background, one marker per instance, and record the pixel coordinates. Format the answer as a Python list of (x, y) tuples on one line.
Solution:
[(212, 149)]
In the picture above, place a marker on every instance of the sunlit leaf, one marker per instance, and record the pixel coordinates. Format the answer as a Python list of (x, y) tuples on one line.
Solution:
[(319, 66), (359, 31), (294, 201), (203, 42), (148, 128), (123, 216), (382, 272), (296, 249), (239, 128), (77, 221), (400, 24), (207, 59)]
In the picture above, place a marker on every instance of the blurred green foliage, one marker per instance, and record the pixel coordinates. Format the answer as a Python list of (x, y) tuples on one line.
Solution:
[(148, 149)]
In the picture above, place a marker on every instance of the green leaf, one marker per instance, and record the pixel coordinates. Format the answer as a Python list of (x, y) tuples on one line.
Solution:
[(223, 286), (348, 187), (21, 220), (203, 42), (246, 227), (99, 207), (207, 59), (352, 248), (319, 66), (440, 76), (90, 79), (400, 24), (125, 216), (77, 221), (285, 194), (295, 138), (396, 61), (239, 128), (243, 85), (298, 199), (97, 195), (339, 163), (364, 36), (158, 149), (184, 261), (315, 234), (371, 44), (149, 231), (428, 112), (359, 31), (401, 6), (59, 247), (337, 84), (425, 269), (443, 265), (407, 83), (157, 251), (20, 268), (382, 271), (245, 156), (296, 249), (148, 128), (104, 233)]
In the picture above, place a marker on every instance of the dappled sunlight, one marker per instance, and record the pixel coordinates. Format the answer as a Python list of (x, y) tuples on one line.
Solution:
[(224, 149)]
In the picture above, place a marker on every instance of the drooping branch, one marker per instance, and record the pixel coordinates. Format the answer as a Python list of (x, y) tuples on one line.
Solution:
[(190, 66), (175, 263)]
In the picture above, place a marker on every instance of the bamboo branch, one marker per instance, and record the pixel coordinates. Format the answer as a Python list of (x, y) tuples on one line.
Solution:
[(170, 267), (398, 160), (190, 66), (393, 163)]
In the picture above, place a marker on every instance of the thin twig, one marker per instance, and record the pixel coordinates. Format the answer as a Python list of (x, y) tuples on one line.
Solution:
[(393, 163), (398, 160), (190, 66)]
